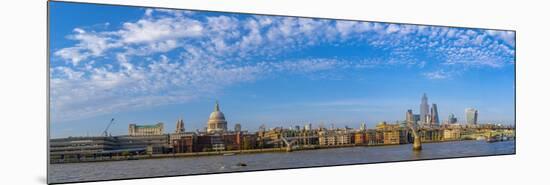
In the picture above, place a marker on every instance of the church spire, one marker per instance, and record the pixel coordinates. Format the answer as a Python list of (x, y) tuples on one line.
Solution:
[(217, 107)]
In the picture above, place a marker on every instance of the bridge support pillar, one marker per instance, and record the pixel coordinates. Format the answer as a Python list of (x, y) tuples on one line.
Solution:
[(417, 145), (288, 148)]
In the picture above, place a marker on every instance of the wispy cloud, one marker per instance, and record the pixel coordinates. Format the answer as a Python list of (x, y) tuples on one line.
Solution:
[(130, 68), (438, 75)]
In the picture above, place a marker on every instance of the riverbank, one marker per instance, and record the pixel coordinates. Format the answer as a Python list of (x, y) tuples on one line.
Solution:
[(225, 153)]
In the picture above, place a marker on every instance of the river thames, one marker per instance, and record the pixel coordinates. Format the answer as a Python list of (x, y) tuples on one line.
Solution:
[(72, 172)]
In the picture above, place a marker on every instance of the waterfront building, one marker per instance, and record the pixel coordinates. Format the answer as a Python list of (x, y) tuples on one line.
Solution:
[(381, 125), (205, 142), (183, 142), (91, 148), (156, 143), (471, 116), (299, 137), (451, 134), (231, 140), (146, 130), (434, 115), (360, 138), (248, 141), (335, 137), (225, 141), (374, 137), (393, 133), (80, 148), (266, 138), (430, 134), (180, 128), (424, 108), (216, 121)]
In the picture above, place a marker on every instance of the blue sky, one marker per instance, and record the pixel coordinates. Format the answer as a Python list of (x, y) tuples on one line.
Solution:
[(143, 66)]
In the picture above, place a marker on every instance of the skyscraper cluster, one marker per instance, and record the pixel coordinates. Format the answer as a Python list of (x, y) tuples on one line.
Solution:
[(429, 115)]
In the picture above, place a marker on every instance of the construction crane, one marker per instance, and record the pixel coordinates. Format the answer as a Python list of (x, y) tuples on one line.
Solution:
[(109, 125)]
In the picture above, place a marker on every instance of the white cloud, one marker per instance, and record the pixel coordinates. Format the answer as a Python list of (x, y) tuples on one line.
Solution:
[(73, 54), (305, 65), (437, 75), (214, 52), (146, 30), (76, 96), (88, 44), (509, 37), (392, 28)]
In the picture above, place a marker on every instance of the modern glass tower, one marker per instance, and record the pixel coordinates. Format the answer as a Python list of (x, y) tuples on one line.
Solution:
[(424, 108), (452, 119), (471, 116), (434, 115)]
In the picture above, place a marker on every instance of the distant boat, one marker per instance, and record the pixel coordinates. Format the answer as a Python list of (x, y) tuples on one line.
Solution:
[(227, 154), (242, 164), (494, 139)]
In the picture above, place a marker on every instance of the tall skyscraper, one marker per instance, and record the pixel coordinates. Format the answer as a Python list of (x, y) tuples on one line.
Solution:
[(434, 115), (452, 119), (471, 116), (180, 126), (424, 108)]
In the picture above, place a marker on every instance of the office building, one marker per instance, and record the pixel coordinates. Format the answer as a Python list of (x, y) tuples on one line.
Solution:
[(146, 130), (424, 108), (434, 115), (452, 119), (409, 117), (471, 116)]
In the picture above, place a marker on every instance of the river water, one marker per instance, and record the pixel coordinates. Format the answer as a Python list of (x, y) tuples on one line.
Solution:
[(214, 164)]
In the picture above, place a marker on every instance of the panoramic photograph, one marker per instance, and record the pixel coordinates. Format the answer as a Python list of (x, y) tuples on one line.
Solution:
[(138, 92)]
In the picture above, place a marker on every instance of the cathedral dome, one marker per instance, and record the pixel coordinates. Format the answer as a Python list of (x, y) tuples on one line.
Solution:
[(216, 121), (216, 115)]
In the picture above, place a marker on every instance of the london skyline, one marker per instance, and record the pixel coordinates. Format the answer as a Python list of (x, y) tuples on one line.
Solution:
[(156, 65)]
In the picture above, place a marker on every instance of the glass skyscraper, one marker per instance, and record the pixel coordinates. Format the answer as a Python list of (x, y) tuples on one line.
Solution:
[(424, 108), (434, 115), (471, 116)]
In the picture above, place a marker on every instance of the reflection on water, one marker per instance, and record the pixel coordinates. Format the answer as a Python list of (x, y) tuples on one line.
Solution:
[(213, 164)]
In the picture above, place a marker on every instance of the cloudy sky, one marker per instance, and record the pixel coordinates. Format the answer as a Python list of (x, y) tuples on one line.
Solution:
[(141, 65)]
